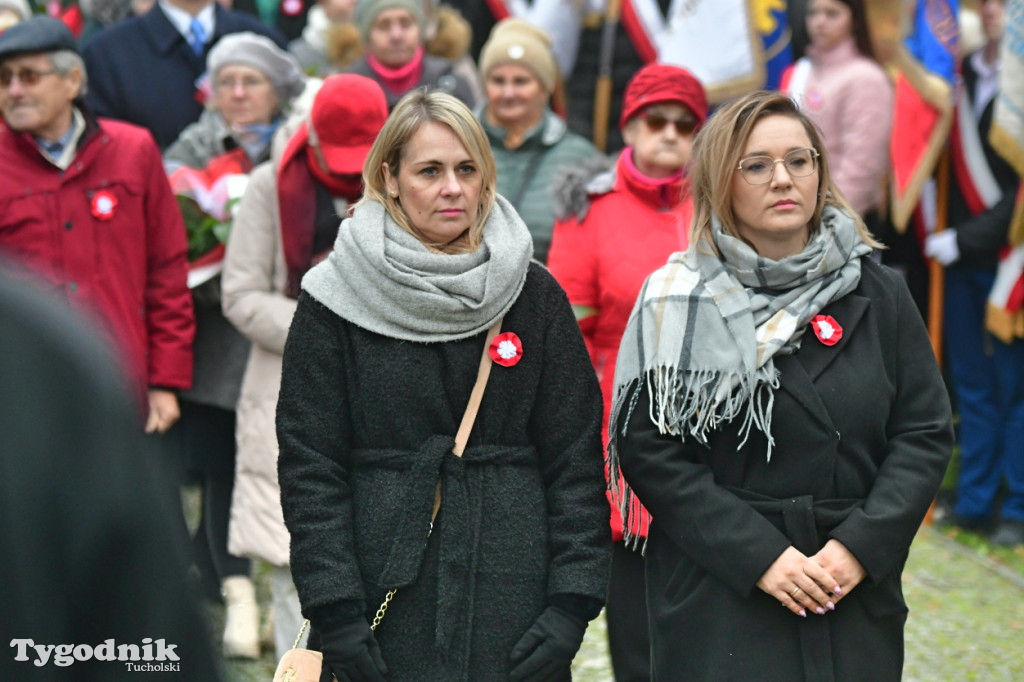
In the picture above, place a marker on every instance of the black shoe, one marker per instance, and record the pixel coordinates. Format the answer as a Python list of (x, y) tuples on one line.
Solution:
[(954, 520), (1009, 533)]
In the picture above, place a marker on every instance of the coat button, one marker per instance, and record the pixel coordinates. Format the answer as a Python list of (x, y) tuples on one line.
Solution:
[(67, 225), (72, 287)]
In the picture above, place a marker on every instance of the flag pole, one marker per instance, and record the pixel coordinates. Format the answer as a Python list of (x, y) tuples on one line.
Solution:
[(937, 274), (603, 92)]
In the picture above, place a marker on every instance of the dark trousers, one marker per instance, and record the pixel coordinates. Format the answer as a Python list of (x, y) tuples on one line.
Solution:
[(626, 615), (208, 439), (988, 376)]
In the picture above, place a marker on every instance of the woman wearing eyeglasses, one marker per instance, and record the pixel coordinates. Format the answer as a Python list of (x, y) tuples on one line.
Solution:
[(618, 224), (253, 82), (779, 411)]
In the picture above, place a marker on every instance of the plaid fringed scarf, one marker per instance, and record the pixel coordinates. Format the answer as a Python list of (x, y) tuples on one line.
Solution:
[(705, 328)]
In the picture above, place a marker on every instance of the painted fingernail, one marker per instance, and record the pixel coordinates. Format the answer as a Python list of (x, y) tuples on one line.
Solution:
[(820, 611), (831, 606), (803, 614), (838, 590)]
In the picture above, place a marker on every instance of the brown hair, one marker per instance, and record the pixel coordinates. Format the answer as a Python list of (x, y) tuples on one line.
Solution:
[(412, 111), (859, 28), (716, 154)]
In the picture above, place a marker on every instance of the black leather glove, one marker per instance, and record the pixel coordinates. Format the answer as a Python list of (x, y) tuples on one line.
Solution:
[(350, 651), (548, 647)]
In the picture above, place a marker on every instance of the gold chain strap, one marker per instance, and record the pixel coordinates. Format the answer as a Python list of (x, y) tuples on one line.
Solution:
[(301, 630), (383, 609)]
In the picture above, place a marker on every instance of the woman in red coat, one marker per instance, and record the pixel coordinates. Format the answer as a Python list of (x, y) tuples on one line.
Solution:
[(616, 226)]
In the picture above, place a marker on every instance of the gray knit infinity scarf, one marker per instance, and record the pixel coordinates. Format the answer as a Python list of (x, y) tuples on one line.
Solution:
[(385, 280)]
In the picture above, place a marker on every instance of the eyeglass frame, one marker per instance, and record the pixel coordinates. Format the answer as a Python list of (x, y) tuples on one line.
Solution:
[(815, 155), (7, 76)]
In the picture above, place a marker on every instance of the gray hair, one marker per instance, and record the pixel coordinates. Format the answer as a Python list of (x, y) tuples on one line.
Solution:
[(64, 61)]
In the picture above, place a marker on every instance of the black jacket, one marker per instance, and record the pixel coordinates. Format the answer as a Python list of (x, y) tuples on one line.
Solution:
[(862, 437), (94, 547), (366, 425)]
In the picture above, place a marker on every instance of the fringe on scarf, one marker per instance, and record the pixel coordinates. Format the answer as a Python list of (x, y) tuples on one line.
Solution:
[(685, 404)]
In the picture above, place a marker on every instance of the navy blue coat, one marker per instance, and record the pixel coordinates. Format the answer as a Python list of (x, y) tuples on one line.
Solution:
[(143, 71)]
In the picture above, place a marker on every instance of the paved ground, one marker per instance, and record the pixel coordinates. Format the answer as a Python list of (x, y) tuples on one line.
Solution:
[(966, 621)]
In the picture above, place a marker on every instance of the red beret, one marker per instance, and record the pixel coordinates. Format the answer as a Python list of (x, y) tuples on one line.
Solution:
[(663, 83)]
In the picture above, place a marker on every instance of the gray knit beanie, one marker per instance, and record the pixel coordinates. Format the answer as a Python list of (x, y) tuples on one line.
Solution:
[(367, 11), (259, 52)]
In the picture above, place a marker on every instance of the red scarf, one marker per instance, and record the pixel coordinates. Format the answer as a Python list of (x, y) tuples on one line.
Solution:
[(400, 80), (297, 176)]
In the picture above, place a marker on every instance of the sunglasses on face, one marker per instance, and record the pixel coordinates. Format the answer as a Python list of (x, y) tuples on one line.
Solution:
[(656, 122), (24, 76)]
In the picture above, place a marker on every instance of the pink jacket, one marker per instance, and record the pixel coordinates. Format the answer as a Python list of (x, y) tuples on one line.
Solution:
[(850, 97)]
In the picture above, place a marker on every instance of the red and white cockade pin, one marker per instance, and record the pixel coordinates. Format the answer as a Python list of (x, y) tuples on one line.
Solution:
[(506, 349), (103, 205), (292, 8), (826, 329)]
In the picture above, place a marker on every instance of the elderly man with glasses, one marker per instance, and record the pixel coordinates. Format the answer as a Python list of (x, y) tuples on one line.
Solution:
[(85, 207)]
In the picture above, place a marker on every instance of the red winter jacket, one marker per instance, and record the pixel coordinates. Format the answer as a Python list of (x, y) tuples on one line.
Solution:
[(107, 236), (603, 260)]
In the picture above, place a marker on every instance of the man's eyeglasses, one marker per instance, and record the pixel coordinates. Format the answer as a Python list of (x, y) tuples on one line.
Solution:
[(24, 76), (247, 83), (656, 122), (757, 170)]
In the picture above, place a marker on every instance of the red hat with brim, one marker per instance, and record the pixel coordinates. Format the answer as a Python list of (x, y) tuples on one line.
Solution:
[(656, 83)]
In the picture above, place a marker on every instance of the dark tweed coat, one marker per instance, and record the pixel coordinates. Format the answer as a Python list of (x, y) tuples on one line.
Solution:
[(862, 438), (366, 425)]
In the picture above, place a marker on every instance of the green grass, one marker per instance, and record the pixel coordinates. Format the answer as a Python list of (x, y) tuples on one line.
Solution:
[(1011, 558)]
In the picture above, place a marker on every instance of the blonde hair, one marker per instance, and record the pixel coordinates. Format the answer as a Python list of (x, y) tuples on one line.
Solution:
[(718, 148), (412, 111)]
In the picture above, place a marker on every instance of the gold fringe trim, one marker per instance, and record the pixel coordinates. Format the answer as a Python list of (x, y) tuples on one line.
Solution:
[(1012, 150), (1004, 325)]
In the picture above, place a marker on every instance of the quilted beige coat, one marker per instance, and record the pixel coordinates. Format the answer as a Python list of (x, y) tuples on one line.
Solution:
[(253, 284)]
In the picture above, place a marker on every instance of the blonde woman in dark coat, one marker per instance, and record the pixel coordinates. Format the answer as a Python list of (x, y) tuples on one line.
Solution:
[(380, 360), (780, 413)]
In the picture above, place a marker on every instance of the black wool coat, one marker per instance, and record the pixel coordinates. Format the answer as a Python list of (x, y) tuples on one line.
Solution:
[(862, 438), (366, 426)]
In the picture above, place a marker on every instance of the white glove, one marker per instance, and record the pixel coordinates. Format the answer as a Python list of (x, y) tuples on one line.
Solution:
[(942, 247)]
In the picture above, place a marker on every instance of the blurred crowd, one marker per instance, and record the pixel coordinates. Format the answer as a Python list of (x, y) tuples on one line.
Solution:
[(171, 169)]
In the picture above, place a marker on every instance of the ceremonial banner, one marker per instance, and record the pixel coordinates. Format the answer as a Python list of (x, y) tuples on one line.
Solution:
[(772, 24), (1004, 316), (1007, 133), (923, 103), (714, 39)]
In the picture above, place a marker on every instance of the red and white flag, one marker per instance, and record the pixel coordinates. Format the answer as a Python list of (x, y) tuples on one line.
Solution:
[(1005, 314)]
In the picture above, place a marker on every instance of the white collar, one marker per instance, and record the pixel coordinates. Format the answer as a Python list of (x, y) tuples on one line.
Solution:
[(181, 19)]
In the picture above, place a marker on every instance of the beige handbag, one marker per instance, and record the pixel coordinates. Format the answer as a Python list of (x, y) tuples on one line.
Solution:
[(304, 665)]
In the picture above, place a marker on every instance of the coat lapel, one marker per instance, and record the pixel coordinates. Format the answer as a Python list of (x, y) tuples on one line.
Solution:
[(815, 355), (799, 371)]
